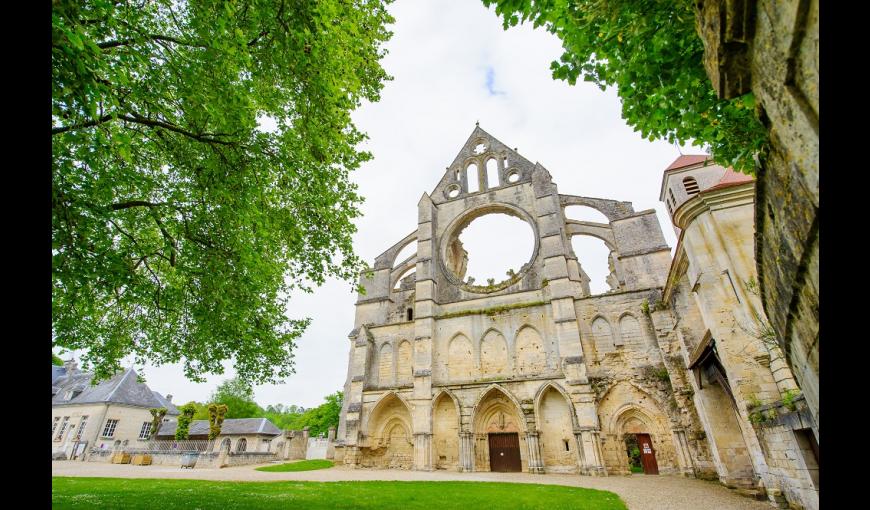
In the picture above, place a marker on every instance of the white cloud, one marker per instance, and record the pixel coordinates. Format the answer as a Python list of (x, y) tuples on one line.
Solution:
[(441, 57)]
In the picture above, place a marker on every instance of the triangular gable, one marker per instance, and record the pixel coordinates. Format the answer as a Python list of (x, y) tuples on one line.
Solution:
[(478, 148)]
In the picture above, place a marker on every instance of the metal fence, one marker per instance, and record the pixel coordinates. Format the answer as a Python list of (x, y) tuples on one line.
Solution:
[(179, 446)]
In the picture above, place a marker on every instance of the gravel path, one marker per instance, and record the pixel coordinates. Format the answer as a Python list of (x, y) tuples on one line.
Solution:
[(639, 492)]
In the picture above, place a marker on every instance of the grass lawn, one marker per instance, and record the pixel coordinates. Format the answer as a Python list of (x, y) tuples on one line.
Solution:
[(132, 493), (302, 465)]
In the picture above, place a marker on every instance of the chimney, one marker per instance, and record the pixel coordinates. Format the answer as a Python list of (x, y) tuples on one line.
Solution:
[(169, 398), (71, 366)]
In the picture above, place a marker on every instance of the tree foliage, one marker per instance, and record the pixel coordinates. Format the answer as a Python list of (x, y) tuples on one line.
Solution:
[(179, 226), (55, 360), (216, 414), (182, 431), (157, 415), (238, 396), (650, 50), (317, 419), (201, 412)]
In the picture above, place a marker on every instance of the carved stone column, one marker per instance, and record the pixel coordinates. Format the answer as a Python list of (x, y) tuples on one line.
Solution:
[(684, 456), (536, 464), (581, 454), (422, 451), (591, 441), (466, 452)]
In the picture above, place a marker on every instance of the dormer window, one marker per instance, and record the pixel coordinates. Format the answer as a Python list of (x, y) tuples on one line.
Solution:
[(691, 186)]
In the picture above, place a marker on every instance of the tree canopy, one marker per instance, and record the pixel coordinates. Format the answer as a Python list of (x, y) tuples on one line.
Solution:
[(55, 360), (180, 225), (650, 50), (238, 396), (317, 419)]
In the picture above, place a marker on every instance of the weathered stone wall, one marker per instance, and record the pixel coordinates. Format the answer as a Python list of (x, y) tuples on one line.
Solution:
[(571, 374), (712, 280), (295, 444), (771, 48)]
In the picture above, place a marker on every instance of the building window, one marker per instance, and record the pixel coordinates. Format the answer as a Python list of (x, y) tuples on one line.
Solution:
[(691, 186), (54, 425), (241, 445), (82, 425), (267, 445), (673, 200), (410, 314), (62, 428), (109, 431), (145, 433)]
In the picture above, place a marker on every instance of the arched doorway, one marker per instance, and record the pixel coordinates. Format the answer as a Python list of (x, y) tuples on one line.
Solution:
[(630, 416), (556, 427), (499, 431), (389, 442), (445, 432)]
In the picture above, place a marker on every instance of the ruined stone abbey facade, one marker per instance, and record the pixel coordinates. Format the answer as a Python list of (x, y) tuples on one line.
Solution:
[(535, 373)]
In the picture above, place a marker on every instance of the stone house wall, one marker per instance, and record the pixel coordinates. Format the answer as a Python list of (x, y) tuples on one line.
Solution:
[(130, 420)]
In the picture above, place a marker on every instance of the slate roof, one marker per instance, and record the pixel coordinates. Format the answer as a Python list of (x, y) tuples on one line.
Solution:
[(240, 426), (122, 388)]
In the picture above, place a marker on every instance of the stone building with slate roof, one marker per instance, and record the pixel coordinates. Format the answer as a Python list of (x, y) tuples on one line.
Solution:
[(238, 435), (112, 413)]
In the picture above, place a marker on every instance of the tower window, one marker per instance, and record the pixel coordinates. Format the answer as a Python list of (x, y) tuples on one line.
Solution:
[(691, 186), (410, 314)]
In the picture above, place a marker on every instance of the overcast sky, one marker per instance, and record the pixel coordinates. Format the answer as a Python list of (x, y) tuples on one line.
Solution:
[(453, 65)]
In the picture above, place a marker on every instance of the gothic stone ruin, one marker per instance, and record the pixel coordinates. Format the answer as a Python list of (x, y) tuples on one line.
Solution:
[(533, 373)]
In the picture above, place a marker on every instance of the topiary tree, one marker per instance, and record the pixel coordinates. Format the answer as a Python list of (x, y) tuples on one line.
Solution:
[(157, 415), (183, 429), (216, 413)]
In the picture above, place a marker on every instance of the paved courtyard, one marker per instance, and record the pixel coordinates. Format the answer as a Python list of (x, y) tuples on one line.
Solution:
[(639, 492)]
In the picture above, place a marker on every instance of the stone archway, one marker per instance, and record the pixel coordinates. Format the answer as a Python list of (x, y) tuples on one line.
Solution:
[(496, 412), (555, 421), (445, 432), (626, 410), (389, 435)]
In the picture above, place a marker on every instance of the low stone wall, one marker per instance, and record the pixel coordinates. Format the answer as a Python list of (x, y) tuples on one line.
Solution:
[(246, 458), (100, 455), (210, 460)]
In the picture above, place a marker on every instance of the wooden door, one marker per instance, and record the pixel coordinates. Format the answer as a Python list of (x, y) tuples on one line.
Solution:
[(647, 455), (504, 453)]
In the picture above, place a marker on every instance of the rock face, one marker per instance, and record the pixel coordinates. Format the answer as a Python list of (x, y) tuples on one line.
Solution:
[(533, 372), (770, 48)]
